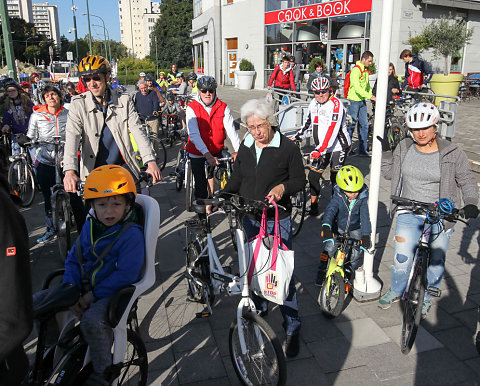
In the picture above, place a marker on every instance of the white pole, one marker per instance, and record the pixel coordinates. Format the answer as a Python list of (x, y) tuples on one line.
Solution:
[(367, 287)]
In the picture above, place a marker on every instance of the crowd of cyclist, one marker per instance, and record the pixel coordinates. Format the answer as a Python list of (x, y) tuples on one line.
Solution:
[(100, 120)]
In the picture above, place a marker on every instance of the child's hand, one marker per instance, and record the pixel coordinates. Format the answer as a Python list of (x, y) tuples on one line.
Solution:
[(83, 303), (327, 233), (366, 242)]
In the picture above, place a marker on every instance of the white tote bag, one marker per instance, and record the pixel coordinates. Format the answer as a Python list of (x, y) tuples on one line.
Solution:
[(271, 266)]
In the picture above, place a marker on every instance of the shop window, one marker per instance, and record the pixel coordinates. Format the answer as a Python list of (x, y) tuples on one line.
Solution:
[(347, 27), (279, 33), (306, 51), (276, 53), (302, 3), (199, 59), (197, 8), (275, 5), (311, 30)]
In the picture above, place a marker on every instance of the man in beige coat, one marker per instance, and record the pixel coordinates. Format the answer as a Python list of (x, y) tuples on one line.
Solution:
[(100, 120)]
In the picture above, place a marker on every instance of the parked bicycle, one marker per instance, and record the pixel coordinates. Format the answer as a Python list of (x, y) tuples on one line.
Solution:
[(395, 128), (21, 177), (339, 276), (255, 349), (158, 146), (414, 293)]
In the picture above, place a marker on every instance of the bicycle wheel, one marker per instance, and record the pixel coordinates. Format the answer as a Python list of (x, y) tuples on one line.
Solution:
[(179, 170), (21, 181), (332, 295), (427, 98), (264, 362), (188, 188), (412, 305), (160, 153), (232, 224), (62, 220), (199, 269), (299, 202)]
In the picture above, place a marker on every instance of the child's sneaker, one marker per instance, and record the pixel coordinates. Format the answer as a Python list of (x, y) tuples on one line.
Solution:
[(313, 210), (388, 299), (427, 304), (46, 236)]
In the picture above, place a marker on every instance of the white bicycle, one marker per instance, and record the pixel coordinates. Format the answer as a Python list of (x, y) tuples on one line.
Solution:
[(255, 349)]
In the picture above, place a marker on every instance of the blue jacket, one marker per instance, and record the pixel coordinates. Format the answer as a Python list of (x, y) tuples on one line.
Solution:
[(120, 267), (348, 219)]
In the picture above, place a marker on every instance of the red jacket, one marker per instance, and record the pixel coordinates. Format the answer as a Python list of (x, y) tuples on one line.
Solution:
[(210, 127), (282, 79)]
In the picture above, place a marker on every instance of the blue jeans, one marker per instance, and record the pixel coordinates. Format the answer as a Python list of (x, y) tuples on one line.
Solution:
[(289, 310), (358, 112), (409, 227)]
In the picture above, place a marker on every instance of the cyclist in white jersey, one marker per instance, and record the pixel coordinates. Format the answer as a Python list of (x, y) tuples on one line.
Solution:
[(327, 125)]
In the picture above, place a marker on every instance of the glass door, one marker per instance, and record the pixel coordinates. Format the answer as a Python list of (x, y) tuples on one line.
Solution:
[(342, 57)]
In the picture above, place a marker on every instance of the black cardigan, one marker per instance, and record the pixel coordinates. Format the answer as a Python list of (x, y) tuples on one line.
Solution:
[(282, 165)]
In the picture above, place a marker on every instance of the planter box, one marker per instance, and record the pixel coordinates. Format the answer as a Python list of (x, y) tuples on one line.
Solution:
[(372, 79), (245, 79), (445, 85)]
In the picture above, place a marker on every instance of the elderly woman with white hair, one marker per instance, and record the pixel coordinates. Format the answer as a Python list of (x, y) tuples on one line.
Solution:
[(269, 164)]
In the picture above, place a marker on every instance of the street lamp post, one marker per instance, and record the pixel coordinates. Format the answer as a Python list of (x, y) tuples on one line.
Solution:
[(104, 39), (74, 8), (105, 33), (89, 31)]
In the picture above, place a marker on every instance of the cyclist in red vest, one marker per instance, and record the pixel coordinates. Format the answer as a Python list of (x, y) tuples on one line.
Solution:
[(209, 120)]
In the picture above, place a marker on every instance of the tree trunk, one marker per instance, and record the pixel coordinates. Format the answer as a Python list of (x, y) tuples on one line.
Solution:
[(447, 65)]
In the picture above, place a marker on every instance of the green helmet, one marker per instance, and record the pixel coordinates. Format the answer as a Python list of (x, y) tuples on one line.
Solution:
[(349, 179)]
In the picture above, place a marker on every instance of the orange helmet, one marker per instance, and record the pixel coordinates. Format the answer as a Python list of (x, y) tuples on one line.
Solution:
[(109, 180), (93, 64)]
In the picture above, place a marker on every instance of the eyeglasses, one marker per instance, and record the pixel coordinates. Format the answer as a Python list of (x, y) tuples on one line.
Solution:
[(318, 92), (210, 90), (96, 78), (261, 126), (12, 90)]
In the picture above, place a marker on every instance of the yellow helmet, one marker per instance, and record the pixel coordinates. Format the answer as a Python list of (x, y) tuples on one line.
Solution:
[(350, 179), (94, 64), (109, 180)]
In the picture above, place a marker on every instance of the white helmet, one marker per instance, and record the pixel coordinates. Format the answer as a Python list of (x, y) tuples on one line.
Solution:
[(142, 74), (321, 83), (422, 115)]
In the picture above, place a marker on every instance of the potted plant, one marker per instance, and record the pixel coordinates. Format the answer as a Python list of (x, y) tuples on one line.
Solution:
[(447, 37), (245, 75), (372, 77)]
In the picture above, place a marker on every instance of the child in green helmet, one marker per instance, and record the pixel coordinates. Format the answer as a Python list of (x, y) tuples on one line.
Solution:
[(349, 208)]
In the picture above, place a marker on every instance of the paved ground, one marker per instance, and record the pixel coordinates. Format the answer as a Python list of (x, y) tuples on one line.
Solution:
[(360, 347)]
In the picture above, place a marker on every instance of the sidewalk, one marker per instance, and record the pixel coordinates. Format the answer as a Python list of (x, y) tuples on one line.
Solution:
[(360, 347)]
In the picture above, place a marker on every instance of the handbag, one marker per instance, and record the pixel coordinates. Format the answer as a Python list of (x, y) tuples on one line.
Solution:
[(271, 266)]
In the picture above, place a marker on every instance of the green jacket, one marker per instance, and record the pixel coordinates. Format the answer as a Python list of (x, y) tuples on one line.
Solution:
[(359, 85)]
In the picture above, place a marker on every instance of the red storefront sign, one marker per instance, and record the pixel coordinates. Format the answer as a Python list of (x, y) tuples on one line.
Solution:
[(318, 11)]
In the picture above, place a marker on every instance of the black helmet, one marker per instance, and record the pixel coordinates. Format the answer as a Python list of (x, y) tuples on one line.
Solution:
[(11, 83), (191, 76), (207, 82), (170, 97), (149, 77)]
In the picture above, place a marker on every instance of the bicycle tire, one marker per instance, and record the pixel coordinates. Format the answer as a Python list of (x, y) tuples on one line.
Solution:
[(299, 205), (179, 168), (267, 357), (188, 188), (21, 181), (160, 152), (62, 217), (395, 134), (332, 298), (232, 226), (201, 271), (412, 305)]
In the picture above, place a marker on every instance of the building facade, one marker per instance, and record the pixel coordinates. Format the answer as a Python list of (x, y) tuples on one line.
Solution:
[(137, 19), (45, 18), (21, 9), (338, 31)]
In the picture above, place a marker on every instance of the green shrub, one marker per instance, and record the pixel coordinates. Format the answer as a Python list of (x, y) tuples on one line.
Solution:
[(246, 65)]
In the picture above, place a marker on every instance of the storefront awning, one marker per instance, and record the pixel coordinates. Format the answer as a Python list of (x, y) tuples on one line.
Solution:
[(464, 4), (198, 31)]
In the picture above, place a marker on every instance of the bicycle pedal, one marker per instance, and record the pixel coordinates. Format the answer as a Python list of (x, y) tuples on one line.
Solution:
[(203, 314), (434, 291)]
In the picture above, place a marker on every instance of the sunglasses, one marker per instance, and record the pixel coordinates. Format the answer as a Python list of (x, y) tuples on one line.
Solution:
[(320, 92), (210, 90), (96, 78)]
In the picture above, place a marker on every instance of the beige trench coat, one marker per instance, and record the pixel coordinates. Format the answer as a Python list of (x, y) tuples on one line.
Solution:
[(84, 128)]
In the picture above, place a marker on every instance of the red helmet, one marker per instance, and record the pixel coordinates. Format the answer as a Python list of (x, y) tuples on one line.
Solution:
[(24, 84)]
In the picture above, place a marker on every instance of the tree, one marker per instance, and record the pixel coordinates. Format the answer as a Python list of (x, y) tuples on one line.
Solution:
[(172, 32), (118, 50), (32, 53)]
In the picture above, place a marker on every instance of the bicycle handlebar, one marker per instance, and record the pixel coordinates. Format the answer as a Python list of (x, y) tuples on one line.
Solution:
[(429, 208), (248, 206)]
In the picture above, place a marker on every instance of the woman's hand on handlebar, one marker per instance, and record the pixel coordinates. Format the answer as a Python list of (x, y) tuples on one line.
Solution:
[(154, 171), (276, 193), (70, 181)]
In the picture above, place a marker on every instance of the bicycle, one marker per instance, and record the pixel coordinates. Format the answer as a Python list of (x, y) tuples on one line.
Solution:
[(21, 177), (158, 146), (5, 150), (172, 128), (255, 350), (337, 280), (413, 295), (395, 129)]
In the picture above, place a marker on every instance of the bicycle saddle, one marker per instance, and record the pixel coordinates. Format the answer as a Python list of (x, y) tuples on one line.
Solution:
[(57, 299)]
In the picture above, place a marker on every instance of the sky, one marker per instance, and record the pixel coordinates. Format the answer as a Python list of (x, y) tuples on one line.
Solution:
[(106, 9)]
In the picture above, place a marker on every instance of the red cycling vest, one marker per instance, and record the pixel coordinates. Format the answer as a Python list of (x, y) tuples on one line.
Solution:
[(210, 127)]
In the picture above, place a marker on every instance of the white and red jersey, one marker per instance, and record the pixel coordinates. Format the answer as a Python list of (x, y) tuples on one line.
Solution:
[(327, 123)]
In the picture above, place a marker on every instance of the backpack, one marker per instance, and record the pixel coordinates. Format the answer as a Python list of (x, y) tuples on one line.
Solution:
[(346, 84)]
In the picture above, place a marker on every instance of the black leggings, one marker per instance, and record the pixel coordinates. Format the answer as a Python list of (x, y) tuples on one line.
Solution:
[(198, 170), (46, 180), (314, 180)]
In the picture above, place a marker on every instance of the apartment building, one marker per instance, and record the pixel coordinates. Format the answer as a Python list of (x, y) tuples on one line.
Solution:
[(262, 31), (137, 19), (43, 15)]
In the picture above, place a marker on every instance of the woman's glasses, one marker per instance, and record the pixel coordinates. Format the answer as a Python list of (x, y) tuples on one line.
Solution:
[(261, 126)]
